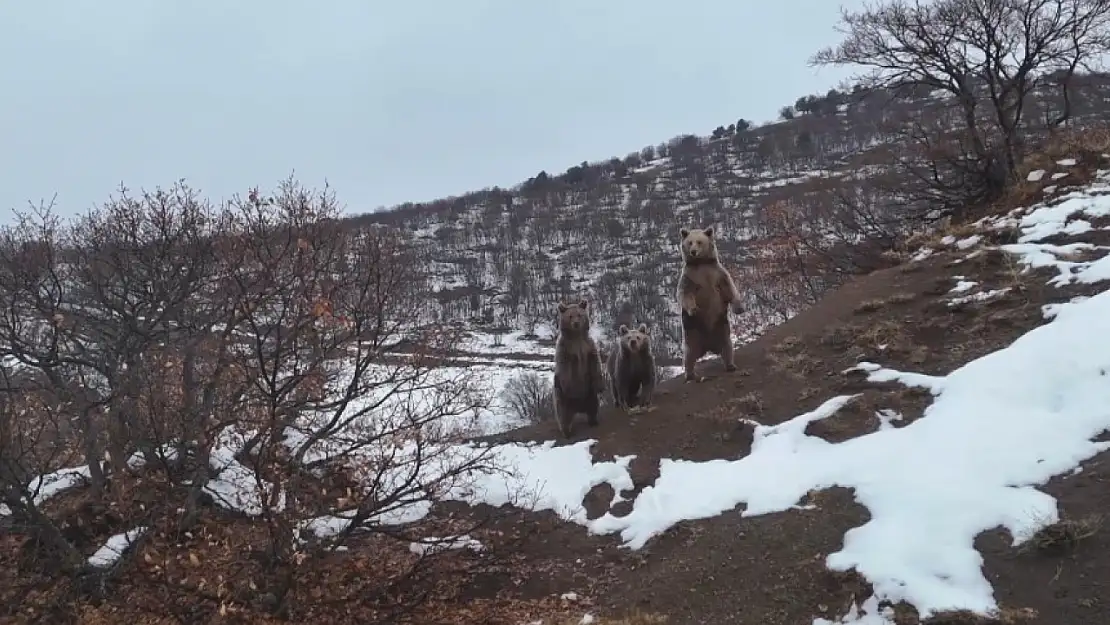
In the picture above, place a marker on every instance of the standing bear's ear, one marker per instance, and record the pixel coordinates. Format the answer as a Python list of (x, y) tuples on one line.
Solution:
[(684, 232), (562, 307), (582, 303), (708, 232), (642, 329), (622, 330)]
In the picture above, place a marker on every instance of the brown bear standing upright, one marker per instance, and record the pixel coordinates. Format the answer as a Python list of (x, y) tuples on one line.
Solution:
[(632, 369), (705, 294), (578, 381)]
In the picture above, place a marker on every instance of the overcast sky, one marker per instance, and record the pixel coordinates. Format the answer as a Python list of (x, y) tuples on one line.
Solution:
[(389, 102)]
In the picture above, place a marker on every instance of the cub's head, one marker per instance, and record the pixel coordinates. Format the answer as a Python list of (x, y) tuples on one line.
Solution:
[(574, 318), (634, 340), (698, 245)]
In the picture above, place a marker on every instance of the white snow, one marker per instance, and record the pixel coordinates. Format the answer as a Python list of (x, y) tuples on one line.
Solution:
[(429, 546), (867, 614), (970, 241), (1035, 175), (51, 484), (513, 342), (534, 477), (1049, 311), (887, 417), (114, 548), (963, 285), (922, 254), (978, 297), (235, 486)]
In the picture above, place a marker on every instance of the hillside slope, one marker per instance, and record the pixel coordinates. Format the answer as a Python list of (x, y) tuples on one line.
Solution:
[(606, 229), (930, 437), (1019, 403)]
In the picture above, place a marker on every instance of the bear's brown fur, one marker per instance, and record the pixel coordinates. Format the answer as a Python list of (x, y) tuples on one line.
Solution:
[(705, 294), (632, 369), (578, 380)]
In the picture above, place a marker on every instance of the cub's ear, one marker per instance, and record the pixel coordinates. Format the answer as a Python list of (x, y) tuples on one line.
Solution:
[(622, 330), (708, 232), (582, 303), (684, 232), (562, 307), (642, 329)]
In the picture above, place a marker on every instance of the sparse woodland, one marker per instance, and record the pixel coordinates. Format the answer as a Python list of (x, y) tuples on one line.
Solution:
[(170, 345), (938, 121)]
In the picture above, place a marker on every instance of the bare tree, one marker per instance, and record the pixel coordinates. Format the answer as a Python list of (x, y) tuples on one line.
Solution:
[(989, 56)]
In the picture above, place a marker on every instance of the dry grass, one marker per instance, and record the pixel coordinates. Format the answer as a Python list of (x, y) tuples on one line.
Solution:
[(900, 298), (749, 405), (1004, 616), (873, 305), (1065, 534), (788, 344), (635, 618), (892, 334), (1013, 274), (932, 238), (1086, 146), (839, 334), (868, 306), (796, 364), (919, 355), (1068, 144)]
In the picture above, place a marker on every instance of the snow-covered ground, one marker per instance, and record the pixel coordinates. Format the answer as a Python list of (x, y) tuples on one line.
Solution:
[(1004, 424)]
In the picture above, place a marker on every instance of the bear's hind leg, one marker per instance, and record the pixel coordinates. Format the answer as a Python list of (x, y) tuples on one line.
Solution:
[(690, 357), (564, 415), (591, 408)]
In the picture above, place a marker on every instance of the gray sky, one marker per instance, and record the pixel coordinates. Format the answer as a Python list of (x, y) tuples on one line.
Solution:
[(389, 102)]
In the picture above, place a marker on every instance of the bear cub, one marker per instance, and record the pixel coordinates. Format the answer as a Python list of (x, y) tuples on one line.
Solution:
[(705, 294), (632, 369), (578, 380)]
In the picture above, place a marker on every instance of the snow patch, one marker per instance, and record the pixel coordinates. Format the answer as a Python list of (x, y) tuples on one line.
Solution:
[(963, 285), (431, 546), (978, 297), (46, 486), (115, 547)]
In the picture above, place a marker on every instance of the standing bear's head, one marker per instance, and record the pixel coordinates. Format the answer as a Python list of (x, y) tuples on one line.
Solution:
[(634, 340), (698, 245), (574, 319)]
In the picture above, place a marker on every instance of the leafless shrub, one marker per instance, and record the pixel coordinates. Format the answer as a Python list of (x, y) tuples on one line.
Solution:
[(255, 356), (528, 397)]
